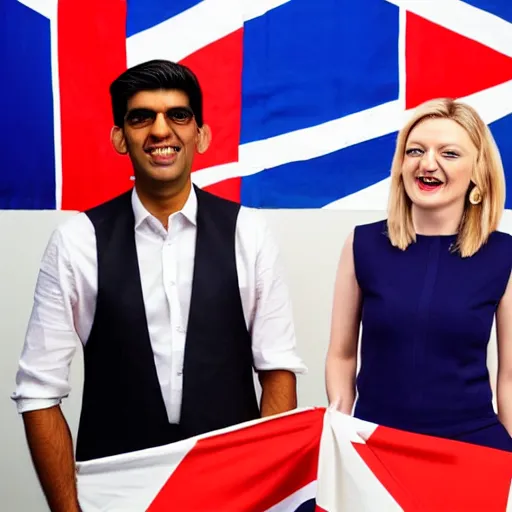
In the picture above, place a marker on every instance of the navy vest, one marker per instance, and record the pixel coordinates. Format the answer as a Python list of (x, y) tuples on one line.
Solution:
[(122, 407)]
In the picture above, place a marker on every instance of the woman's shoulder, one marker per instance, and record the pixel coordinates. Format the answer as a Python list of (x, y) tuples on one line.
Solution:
[(370, 237), (377, 227), (500, 241), (497, 251), (502, 237)]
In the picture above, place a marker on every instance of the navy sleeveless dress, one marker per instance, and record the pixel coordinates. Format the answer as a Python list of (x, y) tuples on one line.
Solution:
[(427, 315)]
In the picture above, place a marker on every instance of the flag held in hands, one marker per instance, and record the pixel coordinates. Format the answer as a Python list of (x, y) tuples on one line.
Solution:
[(304, 461)]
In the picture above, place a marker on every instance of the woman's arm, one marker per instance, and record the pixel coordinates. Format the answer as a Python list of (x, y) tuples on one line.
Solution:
[(341, 362), (504, 335)]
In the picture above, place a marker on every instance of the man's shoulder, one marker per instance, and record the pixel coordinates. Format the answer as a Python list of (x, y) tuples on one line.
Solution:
[(77, 233), (73, 233), (254, 230), (81, 224), (70, 241), (109, 208), (213, 200), (252, 219)]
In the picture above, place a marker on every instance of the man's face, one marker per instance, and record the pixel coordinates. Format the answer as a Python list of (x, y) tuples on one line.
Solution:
[(161, 136)]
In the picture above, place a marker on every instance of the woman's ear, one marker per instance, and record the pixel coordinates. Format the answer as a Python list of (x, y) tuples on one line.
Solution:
[(118, 140), (203, 139)]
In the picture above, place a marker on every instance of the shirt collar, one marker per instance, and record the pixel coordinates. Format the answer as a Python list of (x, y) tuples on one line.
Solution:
[(189, 210)]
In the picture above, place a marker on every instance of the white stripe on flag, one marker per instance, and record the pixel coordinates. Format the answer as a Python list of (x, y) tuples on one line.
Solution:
[(133, 480), (305, 144), (492, 104), (345, 482), (185, 33), (57, 133), (509, 503), (256, 8), (49, 9), (43, 7), (465, 19), (402, 68), (130, 480)]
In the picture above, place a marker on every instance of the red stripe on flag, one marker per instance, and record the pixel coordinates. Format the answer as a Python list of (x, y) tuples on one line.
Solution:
[(218, 67), (425, 473), (253, 468), (442, 63), (228, 189), (92, 52)]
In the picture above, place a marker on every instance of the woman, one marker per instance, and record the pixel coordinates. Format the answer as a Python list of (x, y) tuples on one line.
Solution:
[(426, 285)]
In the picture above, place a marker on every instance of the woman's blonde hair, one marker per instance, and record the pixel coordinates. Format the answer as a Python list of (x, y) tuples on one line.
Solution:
[(478, 221)]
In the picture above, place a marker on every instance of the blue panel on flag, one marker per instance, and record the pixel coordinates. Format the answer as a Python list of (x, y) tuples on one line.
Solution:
[(28, 167), (317, 182), (501, 131), (307, 506), (144, 14), (310, 62), (501, 8)]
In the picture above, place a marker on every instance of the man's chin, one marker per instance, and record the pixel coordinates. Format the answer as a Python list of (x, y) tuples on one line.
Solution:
[(162, 176), (165, 173)]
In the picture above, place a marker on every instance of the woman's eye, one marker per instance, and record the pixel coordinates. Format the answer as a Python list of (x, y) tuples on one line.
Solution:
[(413, 152)]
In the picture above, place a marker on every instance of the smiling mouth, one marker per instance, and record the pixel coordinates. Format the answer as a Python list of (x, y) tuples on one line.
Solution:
[(163, 151), (428, 183)]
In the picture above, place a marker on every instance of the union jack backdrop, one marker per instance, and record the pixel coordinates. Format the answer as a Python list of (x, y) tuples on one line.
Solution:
[(304, 97)]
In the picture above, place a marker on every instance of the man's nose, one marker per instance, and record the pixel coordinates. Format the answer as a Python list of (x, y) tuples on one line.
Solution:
[(160, 128)]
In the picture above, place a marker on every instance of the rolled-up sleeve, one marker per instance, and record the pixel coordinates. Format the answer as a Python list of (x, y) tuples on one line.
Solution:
[(273, 333), (42, 379)]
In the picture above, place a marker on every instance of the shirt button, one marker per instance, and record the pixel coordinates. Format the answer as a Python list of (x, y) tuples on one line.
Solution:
[(180, 329), (180, 373)]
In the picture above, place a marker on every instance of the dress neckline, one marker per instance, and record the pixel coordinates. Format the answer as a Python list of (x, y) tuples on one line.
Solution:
[(445, 237)]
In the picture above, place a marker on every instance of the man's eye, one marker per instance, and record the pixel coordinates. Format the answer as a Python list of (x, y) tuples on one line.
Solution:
[(180, 115), (138, 117)]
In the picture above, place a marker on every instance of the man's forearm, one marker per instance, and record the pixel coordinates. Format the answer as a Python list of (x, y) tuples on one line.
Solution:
[(51, 447), (279, 392)]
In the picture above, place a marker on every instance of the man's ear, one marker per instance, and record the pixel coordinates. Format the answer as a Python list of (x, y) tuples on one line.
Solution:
[(204, 138), (118, 140)]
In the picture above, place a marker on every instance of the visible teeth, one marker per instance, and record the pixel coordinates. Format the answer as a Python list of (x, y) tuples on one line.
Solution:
[(429, 180), (163, 151)]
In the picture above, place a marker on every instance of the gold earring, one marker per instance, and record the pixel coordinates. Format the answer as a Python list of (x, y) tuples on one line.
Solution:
[(475, 197)]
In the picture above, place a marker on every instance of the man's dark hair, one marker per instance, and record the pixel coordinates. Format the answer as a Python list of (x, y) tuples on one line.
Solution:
[(153, 75)]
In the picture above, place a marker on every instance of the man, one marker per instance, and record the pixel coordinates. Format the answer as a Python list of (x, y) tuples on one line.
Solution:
[(174, 293)]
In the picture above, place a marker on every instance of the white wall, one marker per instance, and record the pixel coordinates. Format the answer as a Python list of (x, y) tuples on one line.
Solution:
[(310, 242)]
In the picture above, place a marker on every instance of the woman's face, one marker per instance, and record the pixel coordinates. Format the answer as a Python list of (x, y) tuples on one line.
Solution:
[(438, 164)]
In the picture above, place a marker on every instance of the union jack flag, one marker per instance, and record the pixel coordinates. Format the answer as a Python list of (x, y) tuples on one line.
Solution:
[(304, 98), (307, 460)]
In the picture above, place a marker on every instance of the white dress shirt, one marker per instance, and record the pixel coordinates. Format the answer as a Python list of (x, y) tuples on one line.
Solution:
[(65, 301)]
